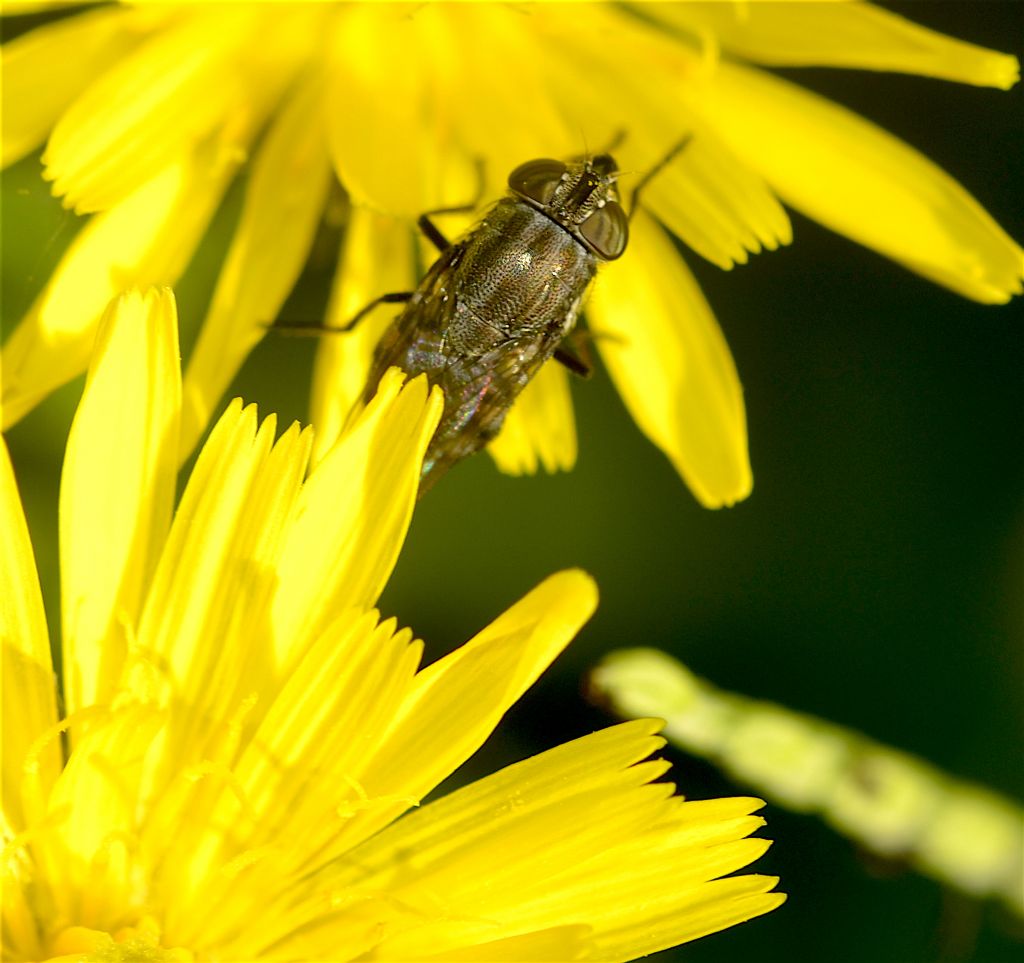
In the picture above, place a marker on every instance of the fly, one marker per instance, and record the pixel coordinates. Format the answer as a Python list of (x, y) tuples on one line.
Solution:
[(498, 302)]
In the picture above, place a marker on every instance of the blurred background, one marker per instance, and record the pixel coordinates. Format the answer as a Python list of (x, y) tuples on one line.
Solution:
[(875, 577)]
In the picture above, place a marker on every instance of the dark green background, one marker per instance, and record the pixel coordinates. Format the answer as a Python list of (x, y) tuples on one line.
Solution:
[(874, 577)]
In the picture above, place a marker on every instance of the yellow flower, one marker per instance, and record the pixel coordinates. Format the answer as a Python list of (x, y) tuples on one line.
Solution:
[(242, 732), (148, 112)]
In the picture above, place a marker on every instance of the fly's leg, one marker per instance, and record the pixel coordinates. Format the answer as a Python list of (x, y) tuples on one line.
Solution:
[(315, 330), (672, 154), (616, 141), (574, 351), (569, 358), (431, 231)]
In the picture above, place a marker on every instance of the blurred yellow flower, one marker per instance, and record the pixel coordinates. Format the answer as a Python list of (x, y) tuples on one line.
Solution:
[(242, 732), (148, 111)]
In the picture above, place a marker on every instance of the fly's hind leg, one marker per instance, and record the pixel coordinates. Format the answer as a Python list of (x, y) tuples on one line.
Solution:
[(574, 351), (571, 359), (315, 330)]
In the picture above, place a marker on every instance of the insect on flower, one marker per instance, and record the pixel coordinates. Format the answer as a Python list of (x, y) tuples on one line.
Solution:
[(498, 302)]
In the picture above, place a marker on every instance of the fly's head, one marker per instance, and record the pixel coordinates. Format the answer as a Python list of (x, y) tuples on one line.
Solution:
[(580, 196)]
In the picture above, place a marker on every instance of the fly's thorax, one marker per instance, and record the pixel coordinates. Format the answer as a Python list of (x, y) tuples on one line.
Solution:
[(520, 274), (580, 197)]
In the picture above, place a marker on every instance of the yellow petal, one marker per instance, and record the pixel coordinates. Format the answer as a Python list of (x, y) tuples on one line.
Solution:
[(671, 870), (505, 123), (564, 943), (377, 257), (546, 618), (669, 360), (325, 722), (399, 167), (708, 196), (455, 703), (529, 861), (215, 579), (861, 181), (293, 778), (714, 202), (283, 202), (540, 426), (117, 488), (601, 762), (18, 7), (146, 239), (46, 68), (154, 105), (216, 582), (838, 35), (353, 513), (715, 906), (604, 760), (29, 686), (22, 619), (635, 867), (93, 814), (245, 539)]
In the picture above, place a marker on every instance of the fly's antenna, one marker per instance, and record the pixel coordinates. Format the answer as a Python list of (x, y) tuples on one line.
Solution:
[(586, 146), (615, 143), (672, 154)]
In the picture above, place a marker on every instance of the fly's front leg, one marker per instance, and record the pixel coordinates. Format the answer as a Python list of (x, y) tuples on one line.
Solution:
[(677, 148), (431, 231)]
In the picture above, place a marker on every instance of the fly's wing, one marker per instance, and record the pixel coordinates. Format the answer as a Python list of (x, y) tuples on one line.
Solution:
[(478, 393), (415, 341), (479, 387)]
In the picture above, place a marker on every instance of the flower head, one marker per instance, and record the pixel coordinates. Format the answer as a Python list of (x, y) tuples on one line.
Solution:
[(148, 112), (240, 731)]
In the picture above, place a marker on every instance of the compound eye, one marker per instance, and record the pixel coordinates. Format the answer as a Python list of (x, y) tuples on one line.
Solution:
[(537, 179), (607, 231)]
